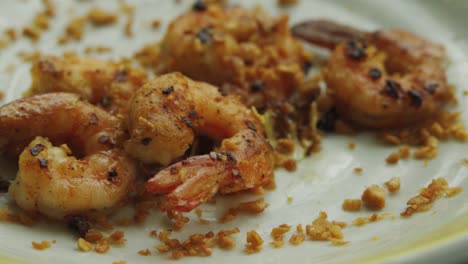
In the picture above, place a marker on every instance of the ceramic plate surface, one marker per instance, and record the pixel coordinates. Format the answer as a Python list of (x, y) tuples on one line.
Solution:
[(321, 182)]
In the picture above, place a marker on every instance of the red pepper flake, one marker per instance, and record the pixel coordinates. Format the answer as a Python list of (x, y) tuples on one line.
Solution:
[(168, 91), (36, 149), (375, 74), (391, 89), (416, 99), (355, 50), (43, 163)]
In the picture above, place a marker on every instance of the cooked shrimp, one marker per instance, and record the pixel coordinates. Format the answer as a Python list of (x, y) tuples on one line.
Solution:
[(384, 79), (52, 183), (63, 118), (103, 83), (259, 58), (165, 115)]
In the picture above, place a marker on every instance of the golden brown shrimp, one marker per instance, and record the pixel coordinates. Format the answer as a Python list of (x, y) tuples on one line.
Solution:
[(384, 79), (51, 182), (167, 112), (63, 118), (245, 52), (104, 83)]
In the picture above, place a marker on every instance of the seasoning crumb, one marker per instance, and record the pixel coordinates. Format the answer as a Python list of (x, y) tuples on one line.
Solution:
[(374, 197), (144, 252), (321, 229), (352, 205), (358, 170), (101, 17), (84, 245), (453, 191), (393, 158), (393, 185), (254, 242), (351, 145), (287, 3), (156, 24), (41, 245), (426, 197)]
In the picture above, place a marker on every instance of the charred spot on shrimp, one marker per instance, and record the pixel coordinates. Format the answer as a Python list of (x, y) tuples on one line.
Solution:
[(104, 139), (78, 223), (327, 121), (256, 86), (36, 149), (93, 120), (112, 174), (250, 125), (415, 98), (121, 75), (105, 100), (199, 6), (204, 35), (355, 49), (230, 156), (193, 114), (43, 163), (186, 121), (307, 66), (375, 74), (430, 87), (168, 90), (145, 141), (4, 185), (392, 89)]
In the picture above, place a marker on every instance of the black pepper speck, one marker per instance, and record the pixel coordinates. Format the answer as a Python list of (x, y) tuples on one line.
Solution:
[(199, 5), (43, 163), (78, 223), (415, 98), (327, 120), (392, 89), (36, 149), (355, 50), (256, 86), (204, 35), (375, 74), (168, 91)]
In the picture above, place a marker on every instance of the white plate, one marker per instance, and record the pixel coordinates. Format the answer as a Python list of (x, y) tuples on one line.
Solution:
[(322, 181)]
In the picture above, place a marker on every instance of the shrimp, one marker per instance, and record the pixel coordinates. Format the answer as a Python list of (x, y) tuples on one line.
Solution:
[(52, 183), (259, 58), (102, 83), (61, 117), (385, 79), (49, 180), (165, 116)]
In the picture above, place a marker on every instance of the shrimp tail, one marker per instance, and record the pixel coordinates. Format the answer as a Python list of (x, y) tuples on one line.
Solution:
[(189, 183), (326, 33)]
